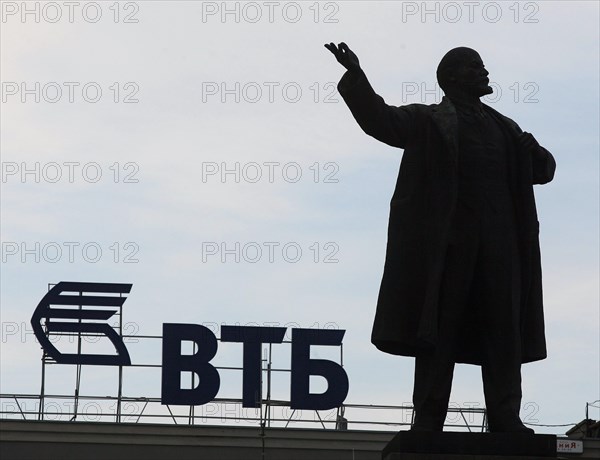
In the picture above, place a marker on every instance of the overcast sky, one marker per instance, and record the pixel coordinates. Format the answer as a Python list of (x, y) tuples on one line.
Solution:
[(143, 107)]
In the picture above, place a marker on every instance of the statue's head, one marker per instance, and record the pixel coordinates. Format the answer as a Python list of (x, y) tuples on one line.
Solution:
[(461, 71)]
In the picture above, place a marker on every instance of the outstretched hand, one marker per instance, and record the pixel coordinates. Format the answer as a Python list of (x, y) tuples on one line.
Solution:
[(344, 55)]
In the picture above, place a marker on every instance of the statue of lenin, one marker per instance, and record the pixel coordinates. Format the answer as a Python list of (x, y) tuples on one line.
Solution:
[(462, 276)]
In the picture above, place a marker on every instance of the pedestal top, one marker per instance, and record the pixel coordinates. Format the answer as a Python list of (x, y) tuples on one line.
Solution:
[(498, 445)]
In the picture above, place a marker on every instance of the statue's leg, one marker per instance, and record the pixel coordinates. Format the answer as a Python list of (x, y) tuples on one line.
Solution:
[(433, 382), (434, 370), (499, 272)]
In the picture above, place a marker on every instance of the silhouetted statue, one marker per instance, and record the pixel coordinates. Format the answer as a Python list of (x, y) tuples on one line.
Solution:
[(462, 281)]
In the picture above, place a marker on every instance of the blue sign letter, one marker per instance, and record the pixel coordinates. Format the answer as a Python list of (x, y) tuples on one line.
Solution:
[(303, 367), (174, 362), (252, 337)]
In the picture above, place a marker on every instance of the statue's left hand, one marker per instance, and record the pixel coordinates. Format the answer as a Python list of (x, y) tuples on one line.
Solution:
[(528, 143)]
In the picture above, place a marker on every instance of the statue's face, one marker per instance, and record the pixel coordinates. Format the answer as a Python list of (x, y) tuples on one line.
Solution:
[(470, 75)]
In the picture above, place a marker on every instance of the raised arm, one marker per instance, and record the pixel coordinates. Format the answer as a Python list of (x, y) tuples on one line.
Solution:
[(388, 124)]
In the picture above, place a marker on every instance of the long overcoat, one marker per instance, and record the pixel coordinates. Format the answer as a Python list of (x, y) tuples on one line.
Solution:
[(421, 209)]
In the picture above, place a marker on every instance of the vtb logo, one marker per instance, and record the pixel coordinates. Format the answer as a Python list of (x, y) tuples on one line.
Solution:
[(52, 314), (57, 297)]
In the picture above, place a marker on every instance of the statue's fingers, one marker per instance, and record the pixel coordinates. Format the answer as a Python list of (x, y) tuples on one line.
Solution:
[(331, 47)]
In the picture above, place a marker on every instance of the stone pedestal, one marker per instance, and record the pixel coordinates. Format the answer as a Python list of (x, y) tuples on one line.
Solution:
[(422, 445)]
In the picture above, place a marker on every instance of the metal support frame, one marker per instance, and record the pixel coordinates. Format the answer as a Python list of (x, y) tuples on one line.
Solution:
[(46, 359)]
